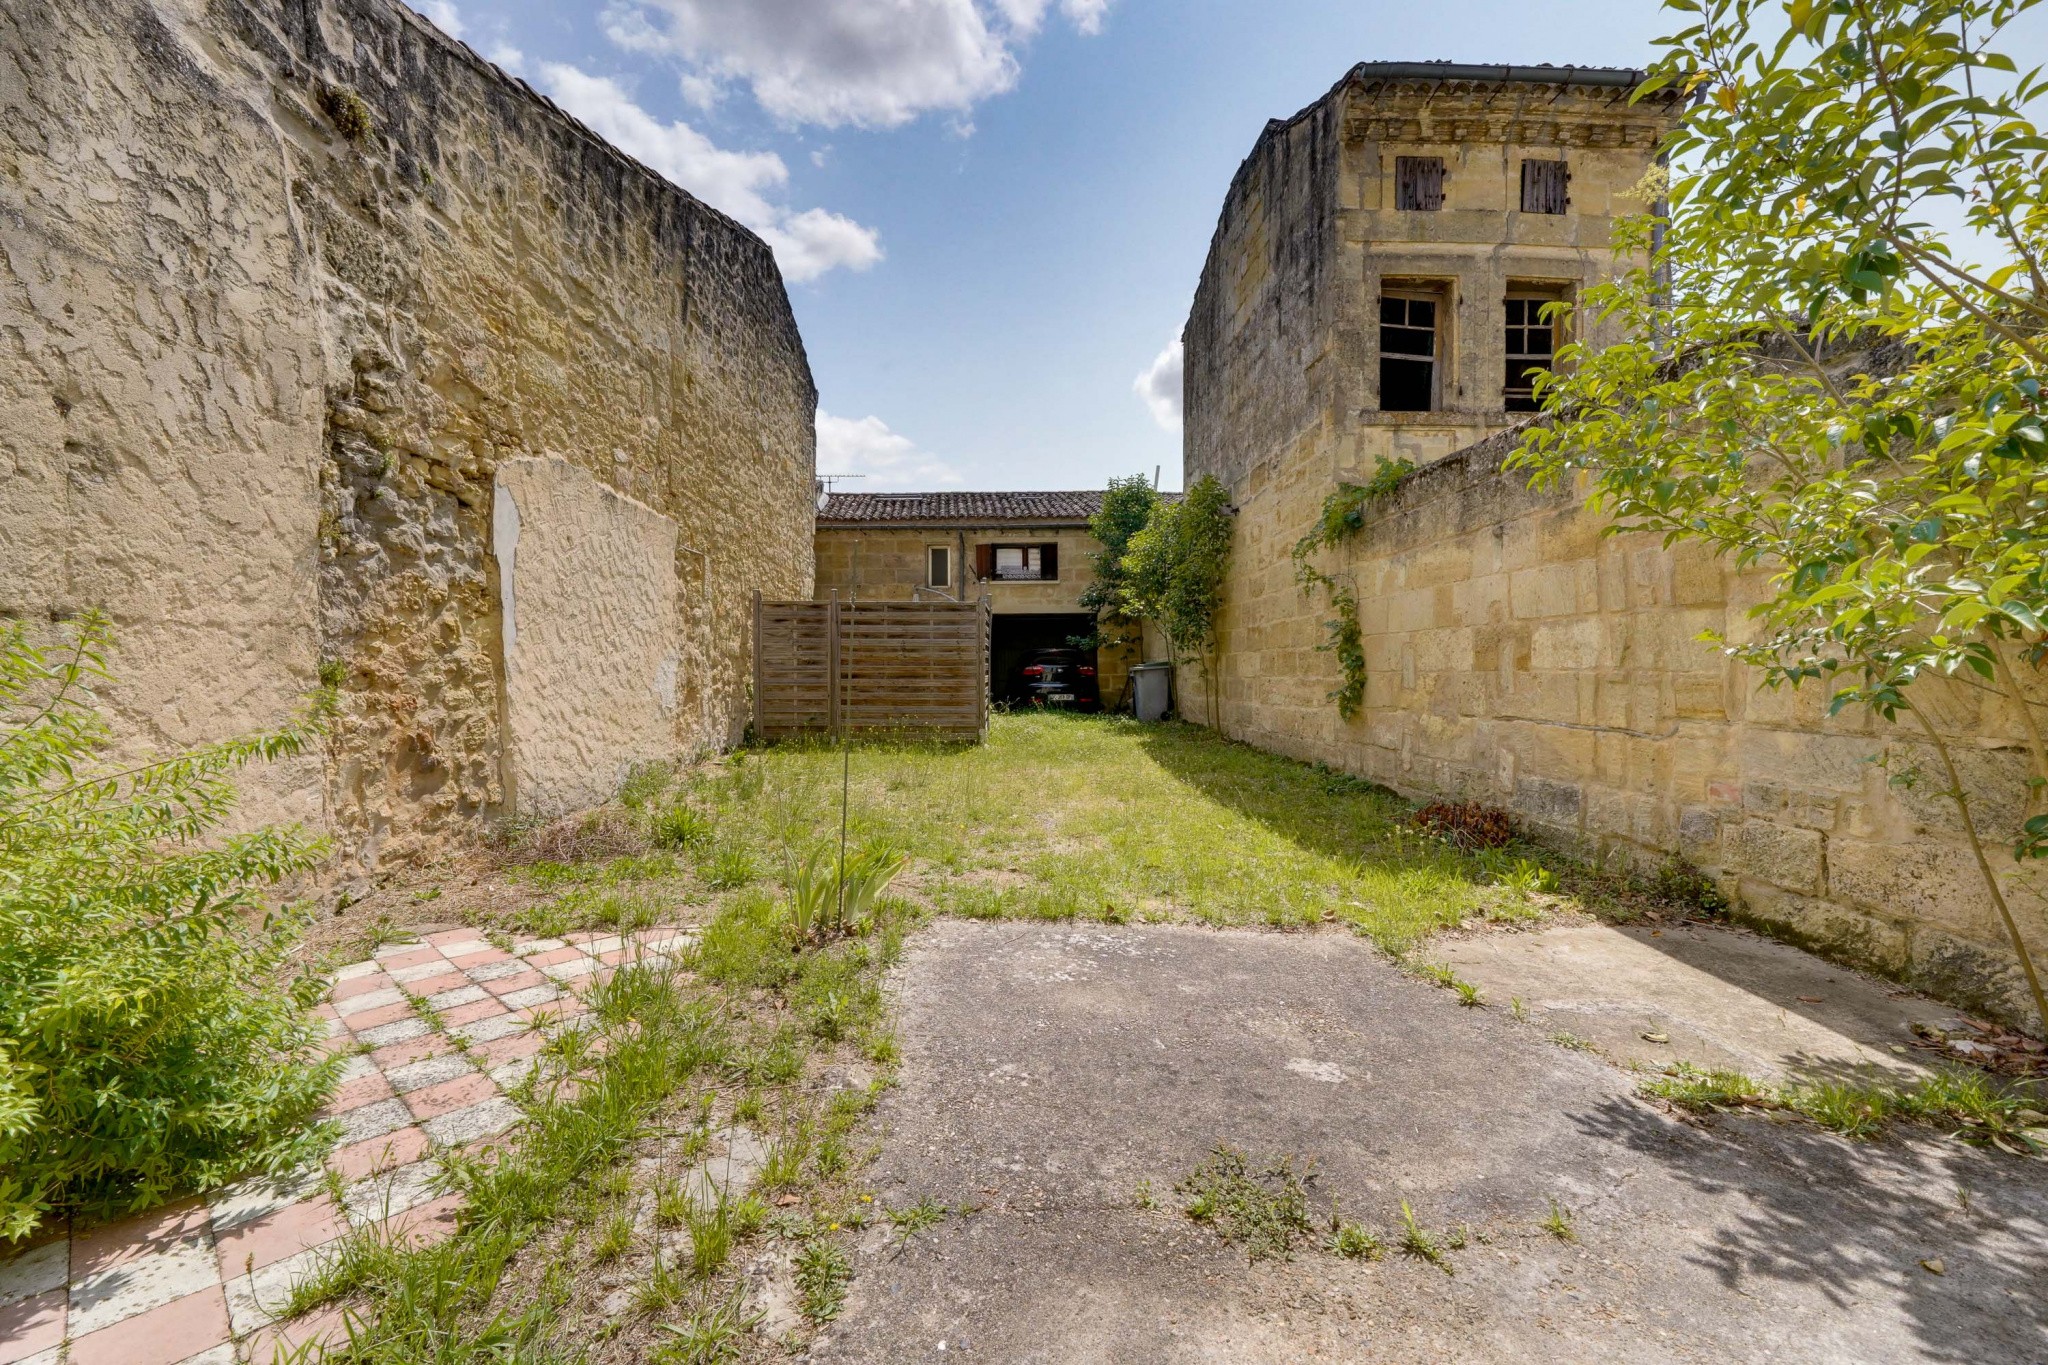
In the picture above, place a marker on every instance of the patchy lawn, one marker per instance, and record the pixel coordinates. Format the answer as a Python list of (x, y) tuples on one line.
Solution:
[(696, 1158), (1098, 818)]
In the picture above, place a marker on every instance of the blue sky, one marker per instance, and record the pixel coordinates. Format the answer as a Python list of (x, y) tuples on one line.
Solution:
[(992, 212)]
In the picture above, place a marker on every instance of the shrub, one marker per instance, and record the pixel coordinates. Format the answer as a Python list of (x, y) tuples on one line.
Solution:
[(1467, 824), (152, 1037)]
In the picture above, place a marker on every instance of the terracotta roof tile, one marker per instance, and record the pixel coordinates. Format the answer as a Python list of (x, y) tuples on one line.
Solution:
[(1030, 508)]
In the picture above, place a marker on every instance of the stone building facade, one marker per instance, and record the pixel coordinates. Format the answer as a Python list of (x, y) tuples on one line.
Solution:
[(1030, 554), (331, 352), (1514, 653)]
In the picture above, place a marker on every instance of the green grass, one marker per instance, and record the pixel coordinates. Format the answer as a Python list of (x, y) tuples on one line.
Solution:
[(822, 1273), (1263, 1209), (1970, 1105), (1419, 1242), (1099, 818), (1354, 1243)]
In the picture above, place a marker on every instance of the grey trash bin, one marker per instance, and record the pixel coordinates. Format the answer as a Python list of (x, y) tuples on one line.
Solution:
[(1152, 688)]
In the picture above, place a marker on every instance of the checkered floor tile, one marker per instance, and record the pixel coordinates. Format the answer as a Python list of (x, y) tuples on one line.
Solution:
[(201, 1282)]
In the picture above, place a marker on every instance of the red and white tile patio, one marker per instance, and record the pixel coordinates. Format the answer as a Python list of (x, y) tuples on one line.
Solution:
[(200, 1282)]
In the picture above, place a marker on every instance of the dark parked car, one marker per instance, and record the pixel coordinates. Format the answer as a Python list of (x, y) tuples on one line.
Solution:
[(1060, 677)]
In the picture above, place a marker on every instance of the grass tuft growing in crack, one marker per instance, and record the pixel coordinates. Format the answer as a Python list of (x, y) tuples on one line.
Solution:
[(822, 1273), (1264, 1210), (1422, 1244)]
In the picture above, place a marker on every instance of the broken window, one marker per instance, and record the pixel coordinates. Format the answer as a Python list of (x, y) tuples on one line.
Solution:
[(1018, 563), (1544, 187), (1531, 346), (938, 567), (1408, 351), (1419, 183)]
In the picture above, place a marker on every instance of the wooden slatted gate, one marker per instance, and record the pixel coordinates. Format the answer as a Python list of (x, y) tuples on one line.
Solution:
[(824, 666)]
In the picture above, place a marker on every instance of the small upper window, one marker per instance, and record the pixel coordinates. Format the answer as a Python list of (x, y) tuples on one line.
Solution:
[(1545, 187), (938, 567), (1018, 563), (1408, 349), (1419, 183), (1531, 347)]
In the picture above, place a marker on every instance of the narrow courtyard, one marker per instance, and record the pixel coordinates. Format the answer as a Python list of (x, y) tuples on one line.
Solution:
[(1146, 1045)]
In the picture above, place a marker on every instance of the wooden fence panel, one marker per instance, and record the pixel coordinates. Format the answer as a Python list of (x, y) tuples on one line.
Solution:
[(824, 666)]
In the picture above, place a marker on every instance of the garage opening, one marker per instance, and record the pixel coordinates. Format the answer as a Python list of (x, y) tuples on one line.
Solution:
[(1012, 639)]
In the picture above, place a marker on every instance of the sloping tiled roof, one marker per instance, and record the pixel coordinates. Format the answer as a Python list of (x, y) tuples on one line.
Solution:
[(961, 509)]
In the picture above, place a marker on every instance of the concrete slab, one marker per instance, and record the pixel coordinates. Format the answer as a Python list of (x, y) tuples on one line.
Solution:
[(1048, 1069), (1723, 997)]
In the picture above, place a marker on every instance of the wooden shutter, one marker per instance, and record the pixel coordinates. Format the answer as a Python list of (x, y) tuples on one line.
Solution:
[(1049, 561), (1544, 187), (1419, 183), (984, 561)]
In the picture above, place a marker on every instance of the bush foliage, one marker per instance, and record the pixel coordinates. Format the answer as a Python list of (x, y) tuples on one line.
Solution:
[(154, 1037)]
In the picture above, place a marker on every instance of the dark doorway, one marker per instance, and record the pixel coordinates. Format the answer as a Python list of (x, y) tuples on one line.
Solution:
[(1013, 637)]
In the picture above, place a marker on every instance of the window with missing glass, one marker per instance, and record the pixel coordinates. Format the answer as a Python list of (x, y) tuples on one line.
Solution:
[(1531, 349), (1408, 352)]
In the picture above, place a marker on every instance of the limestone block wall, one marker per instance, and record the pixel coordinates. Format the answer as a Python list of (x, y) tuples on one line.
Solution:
[(888, 563), (285, 283), (1520, 657)]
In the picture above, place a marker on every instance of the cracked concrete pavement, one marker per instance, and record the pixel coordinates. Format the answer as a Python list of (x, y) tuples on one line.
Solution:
[(1048, 1069)]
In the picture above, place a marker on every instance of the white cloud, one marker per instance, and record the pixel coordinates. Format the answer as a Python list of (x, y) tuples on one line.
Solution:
[(807, 243), (1087, 15), (889, 459), (508, 57), (443, 15), (1159, 386), (869, 63)]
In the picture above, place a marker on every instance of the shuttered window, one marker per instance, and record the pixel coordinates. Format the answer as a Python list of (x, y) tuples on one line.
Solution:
[(1039, 563), (1419, 183), (1545, 187)]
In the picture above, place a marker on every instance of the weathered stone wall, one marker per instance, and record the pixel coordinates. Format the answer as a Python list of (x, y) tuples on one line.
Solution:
[(1515, 655), (286, 283), (887, 564), (1518, 656)]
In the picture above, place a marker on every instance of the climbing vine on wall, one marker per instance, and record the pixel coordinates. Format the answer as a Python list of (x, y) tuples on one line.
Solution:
[(1343, 516)]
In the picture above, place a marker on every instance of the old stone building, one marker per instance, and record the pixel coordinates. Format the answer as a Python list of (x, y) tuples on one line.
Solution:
[(330, 352), (1030, 554), (1374, 292)]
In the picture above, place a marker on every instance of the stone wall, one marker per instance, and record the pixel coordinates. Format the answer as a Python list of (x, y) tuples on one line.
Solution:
[(1518, 656), (285, 285), (887, 564)]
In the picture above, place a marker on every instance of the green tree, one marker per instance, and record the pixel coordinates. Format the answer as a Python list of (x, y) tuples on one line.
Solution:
[(1125, 510), (1820, 385), (1174, 571), (154, 1038)]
